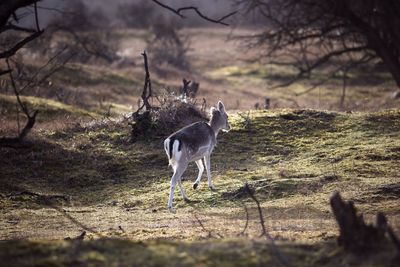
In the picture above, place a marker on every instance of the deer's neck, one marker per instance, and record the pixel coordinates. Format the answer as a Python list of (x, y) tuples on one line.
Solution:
[(214, 126)]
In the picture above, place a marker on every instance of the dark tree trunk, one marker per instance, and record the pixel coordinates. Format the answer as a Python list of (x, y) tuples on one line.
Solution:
[(391, 62)]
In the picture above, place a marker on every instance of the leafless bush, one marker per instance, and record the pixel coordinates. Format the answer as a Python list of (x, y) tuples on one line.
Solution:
[(189, 89), (77, 16), (137, 15), (21, 81), (167, 46), (172, 114), (9, 20), (84, 32)]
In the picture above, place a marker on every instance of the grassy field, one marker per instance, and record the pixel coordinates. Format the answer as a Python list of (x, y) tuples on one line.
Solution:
[(83, 173), (117, 191)]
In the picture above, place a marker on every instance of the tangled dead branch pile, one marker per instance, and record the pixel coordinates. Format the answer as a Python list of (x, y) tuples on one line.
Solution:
[(170, 113)]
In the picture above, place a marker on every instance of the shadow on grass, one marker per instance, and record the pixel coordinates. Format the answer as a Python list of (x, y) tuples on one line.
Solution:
[(210, 252), (87, 166)]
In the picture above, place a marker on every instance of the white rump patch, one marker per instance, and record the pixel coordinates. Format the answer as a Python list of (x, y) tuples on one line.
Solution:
[(176, 155)]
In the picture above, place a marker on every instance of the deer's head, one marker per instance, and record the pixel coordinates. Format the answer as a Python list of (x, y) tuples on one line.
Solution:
[(219, 117)]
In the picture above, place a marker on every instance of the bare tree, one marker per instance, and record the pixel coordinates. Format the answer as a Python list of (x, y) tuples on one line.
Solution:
[(137, 15), (168, 45), (86, 30), (9, 22), (21, 80), (310, 34)]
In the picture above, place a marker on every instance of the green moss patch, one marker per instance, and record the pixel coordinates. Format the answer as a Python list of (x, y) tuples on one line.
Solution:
[(292, 159)]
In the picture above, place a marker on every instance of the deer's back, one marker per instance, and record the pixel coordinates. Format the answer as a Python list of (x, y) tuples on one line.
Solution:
[(195, 137)]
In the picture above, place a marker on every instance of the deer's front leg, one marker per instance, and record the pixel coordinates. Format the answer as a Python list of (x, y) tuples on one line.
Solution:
[(208, 168)]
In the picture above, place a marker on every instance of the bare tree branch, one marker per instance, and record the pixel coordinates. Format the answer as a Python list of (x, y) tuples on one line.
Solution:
[(31, 119), (2, 72), (92, 47), (195, 9), (32, 81), (10, 52), (147, 90), (185, 89), (36, 17), (319, 62)]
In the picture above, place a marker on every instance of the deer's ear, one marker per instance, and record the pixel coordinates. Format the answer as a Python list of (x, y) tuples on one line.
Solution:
[(221, 106)]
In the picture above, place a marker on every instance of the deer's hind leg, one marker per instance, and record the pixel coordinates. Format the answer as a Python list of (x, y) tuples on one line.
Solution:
[(179, 169), (200, 165), (185, 198)]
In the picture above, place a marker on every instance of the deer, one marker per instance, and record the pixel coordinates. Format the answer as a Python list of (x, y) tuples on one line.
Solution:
[(194, 142)]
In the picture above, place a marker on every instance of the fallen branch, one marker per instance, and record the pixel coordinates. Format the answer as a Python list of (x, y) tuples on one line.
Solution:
[(282, 259), (10, 52)]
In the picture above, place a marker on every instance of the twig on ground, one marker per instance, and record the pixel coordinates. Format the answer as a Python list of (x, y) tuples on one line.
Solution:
[(210, 235), (282, 259), (78, 238), (247, 221)]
